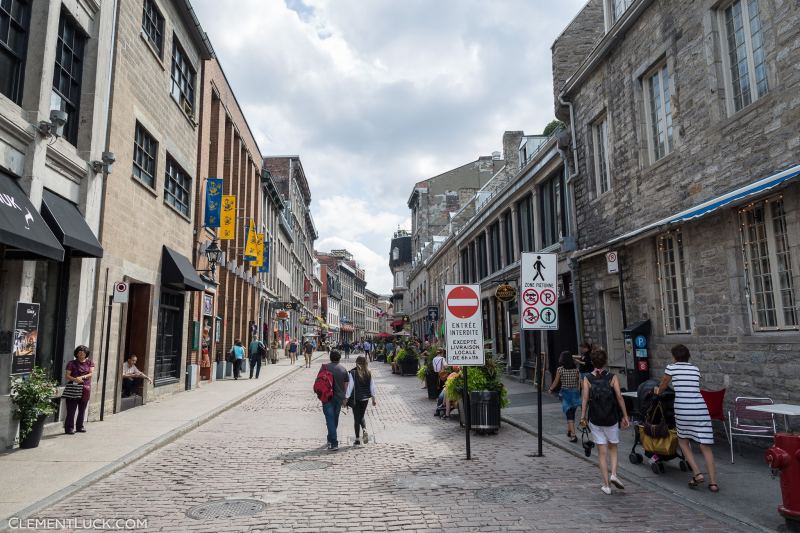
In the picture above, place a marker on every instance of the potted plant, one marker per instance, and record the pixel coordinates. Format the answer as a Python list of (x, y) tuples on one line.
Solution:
[(32, 401), (409, 364), (487, 396)]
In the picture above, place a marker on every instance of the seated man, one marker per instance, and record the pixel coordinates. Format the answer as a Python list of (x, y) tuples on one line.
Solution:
[(130, 374)]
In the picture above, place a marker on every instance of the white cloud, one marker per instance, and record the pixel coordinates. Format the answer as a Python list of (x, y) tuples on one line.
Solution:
[(375, 96)]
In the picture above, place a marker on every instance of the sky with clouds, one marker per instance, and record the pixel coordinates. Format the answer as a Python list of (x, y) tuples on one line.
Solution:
[(376, 95)]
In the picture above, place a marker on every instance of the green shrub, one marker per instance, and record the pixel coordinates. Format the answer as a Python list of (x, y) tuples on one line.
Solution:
[(31, 397), (402, 353), (422, 372)]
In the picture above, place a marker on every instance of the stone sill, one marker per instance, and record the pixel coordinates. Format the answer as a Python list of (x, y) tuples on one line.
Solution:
[(145, 186), (177, 212), (188, 118), (152, 49)]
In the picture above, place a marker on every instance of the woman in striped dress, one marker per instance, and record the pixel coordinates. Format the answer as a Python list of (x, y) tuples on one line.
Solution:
[(691, 414)]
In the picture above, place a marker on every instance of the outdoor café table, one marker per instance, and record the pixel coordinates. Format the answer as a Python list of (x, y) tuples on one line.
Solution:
[(785, 409)]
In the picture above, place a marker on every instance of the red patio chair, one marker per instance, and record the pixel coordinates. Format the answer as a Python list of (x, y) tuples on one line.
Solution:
[(714, 401), (741, 412)]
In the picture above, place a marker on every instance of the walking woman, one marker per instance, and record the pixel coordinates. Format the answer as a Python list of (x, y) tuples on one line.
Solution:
[(237, 351), (568, 377), (361, 388), (691, 414), (602, 401), (79, 370)]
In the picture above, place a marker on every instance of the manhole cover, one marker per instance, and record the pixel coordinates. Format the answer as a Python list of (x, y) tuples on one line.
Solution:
[(309, 465), (226, 509), (513, 494)]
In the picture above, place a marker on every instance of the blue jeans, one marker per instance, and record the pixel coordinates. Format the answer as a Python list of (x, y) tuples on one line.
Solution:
[(331, 411)]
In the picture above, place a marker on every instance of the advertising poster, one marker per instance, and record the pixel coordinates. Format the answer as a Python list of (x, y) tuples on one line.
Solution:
[(26, 333)]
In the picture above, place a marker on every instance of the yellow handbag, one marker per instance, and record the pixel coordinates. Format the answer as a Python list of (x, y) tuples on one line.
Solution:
[(660, 445)]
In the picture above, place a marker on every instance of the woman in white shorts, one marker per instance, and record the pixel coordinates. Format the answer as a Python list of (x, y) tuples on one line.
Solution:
[(603, 416)]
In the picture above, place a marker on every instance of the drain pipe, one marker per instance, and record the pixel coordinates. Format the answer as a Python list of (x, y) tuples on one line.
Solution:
[(573, 219)]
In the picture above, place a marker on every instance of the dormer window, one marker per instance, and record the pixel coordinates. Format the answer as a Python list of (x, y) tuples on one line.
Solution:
[(614, 9)]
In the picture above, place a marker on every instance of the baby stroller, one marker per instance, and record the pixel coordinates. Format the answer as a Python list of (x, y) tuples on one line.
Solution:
[(651, 408)]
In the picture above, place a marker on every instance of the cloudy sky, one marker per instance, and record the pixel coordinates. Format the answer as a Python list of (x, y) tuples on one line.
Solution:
[(375, 95)]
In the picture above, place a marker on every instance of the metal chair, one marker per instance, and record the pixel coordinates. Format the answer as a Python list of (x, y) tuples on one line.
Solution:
[(715, 400), (741, 412)]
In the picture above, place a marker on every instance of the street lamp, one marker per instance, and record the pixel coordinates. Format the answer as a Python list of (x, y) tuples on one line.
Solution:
[(213, 255)]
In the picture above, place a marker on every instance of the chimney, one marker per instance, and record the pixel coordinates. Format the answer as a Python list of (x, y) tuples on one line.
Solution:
[(511, 140)]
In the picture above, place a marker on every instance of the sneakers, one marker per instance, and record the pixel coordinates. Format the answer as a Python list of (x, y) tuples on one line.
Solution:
[(616, 482), (606, 489), (357, 443), (333, 448)]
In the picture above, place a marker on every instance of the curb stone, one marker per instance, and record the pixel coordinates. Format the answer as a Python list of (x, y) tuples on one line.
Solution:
[(155, 444), (734, 521)]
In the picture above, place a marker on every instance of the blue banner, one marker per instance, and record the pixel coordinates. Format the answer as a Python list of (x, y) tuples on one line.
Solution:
[(265, 266), (213, 202)]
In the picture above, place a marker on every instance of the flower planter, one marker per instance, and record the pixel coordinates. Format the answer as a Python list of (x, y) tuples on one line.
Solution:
[(432, 383), (409, 366), (484, 411), (35, 434)]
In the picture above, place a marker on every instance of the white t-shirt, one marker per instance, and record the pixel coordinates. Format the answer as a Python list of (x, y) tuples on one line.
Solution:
[(438, 363), (130, 370)]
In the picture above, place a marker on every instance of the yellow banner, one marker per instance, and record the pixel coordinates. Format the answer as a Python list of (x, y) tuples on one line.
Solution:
[(259, 250), (227, 223), (251, 248)]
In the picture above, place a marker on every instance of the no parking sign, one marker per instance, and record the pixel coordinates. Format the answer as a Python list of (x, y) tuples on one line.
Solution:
[(120, 292)]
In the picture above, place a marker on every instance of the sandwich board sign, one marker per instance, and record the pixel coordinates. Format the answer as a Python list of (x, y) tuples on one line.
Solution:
[(539, 291), (463, 325)]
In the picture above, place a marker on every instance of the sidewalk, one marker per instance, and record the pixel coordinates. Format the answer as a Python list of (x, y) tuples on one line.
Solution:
[(748, 493), (64, 464)]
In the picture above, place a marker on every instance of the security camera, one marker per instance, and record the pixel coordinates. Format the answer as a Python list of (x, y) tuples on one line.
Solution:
[(58, 118)]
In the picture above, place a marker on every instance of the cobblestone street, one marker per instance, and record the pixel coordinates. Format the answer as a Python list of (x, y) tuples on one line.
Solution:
[(412, 476)]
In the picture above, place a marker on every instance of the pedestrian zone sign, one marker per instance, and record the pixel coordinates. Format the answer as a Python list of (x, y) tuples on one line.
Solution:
[(463, 325), (539, 291)]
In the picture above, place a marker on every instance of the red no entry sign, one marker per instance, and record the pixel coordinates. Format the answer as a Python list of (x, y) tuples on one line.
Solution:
[(462, 302)]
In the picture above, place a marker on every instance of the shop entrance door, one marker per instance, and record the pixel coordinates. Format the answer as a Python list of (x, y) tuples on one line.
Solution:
[(137, 340), (615, 344)]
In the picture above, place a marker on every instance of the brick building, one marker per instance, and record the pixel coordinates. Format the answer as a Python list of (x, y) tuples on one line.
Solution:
[(684, 119)]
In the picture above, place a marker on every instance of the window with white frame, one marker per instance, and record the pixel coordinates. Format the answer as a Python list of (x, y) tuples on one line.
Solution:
[(659, 112), (614, 9), (602, 175), (768, 264), (743, 43), (672, 278)]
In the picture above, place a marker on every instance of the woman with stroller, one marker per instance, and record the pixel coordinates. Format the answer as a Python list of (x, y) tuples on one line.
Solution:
[(568, 377), (361, 388), (692, 420), (602, 401)]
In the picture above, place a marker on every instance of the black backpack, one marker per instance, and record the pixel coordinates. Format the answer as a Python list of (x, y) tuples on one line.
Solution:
[(603, 408)]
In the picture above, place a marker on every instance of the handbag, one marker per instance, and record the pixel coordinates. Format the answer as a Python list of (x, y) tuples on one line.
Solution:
[(660, 445), (658, 429), (73, 391)]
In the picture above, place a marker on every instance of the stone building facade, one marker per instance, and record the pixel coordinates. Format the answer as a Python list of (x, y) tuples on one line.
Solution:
[(290, 179), (371, 311), (45, 175), (153, 131), (683, 159), (400, 265)]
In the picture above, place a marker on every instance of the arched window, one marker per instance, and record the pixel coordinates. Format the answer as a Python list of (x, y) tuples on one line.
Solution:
[(395, 253)]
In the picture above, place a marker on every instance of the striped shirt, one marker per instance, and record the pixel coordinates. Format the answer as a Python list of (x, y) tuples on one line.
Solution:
[(691, 413)]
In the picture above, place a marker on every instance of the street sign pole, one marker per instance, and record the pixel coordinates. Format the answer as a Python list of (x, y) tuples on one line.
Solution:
[(464, 337)]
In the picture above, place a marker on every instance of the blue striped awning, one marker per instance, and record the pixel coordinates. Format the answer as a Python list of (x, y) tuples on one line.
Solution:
[(736, 197)]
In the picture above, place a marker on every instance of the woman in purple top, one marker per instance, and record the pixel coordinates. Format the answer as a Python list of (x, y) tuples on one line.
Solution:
[(79, 370)]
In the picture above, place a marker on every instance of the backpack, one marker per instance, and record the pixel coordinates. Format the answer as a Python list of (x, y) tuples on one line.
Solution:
[(323, 385), (603, 408)]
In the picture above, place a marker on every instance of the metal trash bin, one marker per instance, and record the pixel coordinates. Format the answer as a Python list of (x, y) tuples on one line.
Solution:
[(484, 410)]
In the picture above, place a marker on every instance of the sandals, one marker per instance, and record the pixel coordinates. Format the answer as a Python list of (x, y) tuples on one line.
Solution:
[(696, 480), (713, 487)]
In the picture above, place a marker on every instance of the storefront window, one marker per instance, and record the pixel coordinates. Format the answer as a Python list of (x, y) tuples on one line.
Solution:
[(168, 338), (45, 293)]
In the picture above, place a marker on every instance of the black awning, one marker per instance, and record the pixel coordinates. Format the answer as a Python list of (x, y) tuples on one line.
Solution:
[(22, 229), (69, 226), (178, 273)]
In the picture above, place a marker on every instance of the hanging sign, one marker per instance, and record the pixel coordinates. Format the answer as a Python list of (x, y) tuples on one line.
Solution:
[(26, 334), (259, 250), (227, 227), (264, 266), (539, 291), (505, 293), (463, 325), (251, 248), (213, 208)]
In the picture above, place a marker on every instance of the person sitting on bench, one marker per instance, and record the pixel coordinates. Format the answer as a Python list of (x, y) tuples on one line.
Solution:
[(130, 375)]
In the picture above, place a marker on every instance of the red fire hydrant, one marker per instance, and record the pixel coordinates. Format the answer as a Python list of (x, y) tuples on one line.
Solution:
[(784, 456)]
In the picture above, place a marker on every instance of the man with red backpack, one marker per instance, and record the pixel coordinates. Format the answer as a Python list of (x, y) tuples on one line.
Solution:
[(331, 387)]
